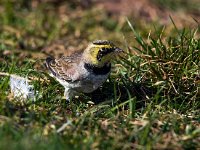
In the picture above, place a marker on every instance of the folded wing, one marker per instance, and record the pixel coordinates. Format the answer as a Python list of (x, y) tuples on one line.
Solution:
[(64, 68)]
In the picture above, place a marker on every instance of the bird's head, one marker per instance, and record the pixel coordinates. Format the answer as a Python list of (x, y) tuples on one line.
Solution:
[(100, 52)]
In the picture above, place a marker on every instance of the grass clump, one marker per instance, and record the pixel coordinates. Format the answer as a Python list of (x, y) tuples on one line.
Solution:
[(168, 67)]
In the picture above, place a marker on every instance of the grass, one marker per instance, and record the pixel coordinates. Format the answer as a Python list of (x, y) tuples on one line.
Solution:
[(192, 6), (151, 100)]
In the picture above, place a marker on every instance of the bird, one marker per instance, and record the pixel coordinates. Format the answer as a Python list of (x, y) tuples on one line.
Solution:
[(85, 71)]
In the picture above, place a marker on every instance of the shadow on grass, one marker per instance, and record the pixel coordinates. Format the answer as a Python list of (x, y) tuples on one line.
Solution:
[(113, 92)]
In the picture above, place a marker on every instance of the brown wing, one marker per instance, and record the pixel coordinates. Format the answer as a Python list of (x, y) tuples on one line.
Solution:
[(64, 68)]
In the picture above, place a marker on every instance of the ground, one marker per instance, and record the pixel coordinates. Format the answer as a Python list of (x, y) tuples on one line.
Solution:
[(150, 101)]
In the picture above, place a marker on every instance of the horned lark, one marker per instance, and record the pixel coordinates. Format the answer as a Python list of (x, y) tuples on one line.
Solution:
[(85, 71)]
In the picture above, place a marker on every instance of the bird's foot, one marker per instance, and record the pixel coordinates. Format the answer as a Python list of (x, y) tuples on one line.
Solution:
[(68, 94), (68, 99)]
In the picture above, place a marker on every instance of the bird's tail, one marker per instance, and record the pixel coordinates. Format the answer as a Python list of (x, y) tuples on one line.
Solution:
[(50, 61)]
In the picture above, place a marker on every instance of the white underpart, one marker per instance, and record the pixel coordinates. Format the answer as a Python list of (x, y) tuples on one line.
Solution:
[(89, 83)]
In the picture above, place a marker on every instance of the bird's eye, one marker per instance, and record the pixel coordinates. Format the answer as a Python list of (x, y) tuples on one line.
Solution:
[(103, 52), (103, 49)]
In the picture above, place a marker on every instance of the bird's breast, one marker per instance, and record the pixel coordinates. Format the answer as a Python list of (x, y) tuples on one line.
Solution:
[(90, 83)]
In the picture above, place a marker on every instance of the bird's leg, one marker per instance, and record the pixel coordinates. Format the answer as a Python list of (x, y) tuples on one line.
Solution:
[(68, 94)]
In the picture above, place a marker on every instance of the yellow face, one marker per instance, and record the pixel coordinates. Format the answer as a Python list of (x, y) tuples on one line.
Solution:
[(100, 54)]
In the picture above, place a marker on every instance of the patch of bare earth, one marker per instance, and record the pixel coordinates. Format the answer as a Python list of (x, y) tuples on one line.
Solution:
[(148, 11)]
